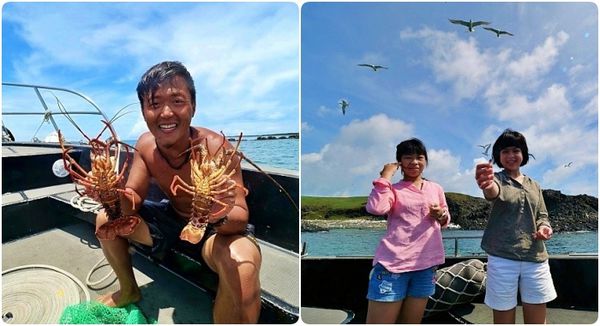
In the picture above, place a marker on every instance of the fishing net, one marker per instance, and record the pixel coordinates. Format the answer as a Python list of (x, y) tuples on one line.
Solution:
[(456, 284), (97, 313)]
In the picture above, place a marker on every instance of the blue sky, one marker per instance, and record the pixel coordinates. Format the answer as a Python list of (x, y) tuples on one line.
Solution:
[(452, 89), (244, 58)]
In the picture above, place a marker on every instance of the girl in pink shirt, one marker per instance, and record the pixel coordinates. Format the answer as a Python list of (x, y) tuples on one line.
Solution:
[(403, 274)]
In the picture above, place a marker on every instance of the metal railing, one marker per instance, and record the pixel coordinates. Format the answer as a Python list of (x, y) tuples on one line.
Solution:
[(456, 242), (49, 113)]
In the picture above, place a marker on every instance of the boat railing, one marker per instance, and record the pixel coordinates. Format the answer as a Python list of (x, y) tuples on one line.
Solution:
[(48, 113), (456, 241)]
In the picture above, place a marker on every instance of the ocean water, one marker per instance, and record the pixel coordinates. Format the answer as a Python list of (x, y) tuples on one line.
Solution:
[(279, 153), (355, 242)]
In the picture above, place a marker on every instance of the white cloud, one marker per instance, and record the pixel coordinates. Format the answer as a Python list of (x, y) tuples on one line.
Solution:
[(540, 60), (456, 60), (550, 110), (245, 63), (349, 163), (444, 168), (323, 111), (306, 127)]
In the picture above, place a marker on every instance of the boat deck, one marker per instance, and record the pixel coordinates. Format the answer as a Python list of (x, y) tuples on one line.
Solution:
[(479, 313), (72, 246), (75, 249)]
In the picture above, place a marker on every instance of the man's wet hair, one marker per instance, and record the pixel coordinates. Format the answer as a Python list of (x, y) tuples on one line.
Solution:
[(161, 73), (510, 138), (410, 147)]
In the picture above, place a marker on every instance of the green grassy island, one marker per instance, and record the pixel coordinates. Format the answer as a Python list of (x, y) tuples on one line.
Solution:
[(567, 213)]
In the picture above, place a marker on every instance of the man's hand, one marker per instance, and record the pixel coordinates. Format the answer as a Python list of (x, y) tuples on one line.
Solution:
[(543, 233), (217, 211)]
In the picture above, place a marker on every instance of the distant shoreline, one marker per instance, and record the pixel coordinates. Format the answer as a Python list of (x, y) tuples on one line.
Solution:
[(355, 223)]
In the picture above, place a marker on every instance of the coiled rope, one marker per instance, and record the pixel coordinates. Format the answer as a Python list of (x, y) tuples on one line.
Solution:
[(87, 204), (39, 293)]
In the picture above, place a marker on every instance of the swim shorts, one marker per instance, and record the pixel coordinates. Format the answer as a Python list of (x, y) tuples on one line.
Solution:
[(165, 226)]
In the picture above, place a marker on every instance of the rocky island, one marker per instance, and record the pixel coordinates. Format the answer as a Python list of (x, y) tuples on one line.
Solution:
[(567, 213)]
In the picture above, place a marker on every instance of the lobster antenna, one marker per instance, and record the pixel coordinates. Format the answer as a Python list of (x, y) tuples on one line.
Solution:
[(63, 110)]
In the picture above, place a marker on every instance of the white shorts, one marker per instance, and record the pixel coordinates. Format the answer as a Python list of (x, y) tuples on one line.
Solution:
[(505, 277)]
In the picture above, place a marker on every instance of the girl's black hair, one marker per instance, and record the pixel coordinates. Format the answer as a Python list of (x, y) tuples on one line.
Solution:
[(410, 147), (160, 73), (510, 138)]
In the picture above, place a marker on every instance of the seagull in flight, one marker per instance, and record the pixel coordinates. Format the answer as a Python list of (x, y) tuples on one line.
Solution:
[(374, 67), (344, 104), (486, 149), (568, 165), (498, 32), (470, 24)]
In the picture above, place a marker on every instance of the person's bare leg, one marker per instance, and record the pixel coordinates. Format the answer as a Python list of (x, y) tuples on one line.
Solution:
[(117, 254), (504, 316), (534, 313), (383, 312), (237, 262), (412, 310)]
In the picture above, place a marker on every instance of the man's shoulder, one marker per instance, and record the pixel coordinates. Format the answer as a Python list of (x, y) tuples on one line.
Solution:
[(215, 139), (145, 142), (207, 133)]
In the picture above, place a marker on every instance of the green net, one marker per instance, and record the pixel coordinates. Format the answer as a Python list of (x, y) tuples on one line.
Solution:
[(97, 313)]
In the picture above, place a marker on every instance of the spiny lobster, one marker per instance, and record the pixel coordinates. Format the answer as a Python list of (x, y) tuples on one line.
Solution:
[(210, 176), (103, 184)]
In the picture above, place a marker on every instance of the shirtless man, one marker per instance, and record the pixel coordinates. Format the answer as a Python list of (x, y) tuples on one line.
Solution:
[(168, 100)]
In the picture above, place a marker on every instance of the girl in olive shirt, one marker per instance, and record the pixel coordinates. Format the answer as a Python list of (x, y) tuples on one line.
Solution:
[(515, 233)]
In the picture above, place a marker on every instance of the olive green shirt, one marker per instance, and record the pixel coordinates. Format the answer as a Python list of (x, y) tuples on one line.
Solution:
[(517, 213)]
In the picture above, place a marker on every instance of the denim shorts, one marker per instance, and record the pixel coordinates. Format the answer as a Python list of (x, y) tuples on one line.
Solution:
[(385, 286), (165, 226)]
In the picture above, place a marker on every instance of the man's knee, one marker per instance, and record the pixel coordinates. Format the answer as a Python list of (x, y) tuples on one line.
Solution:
[(237, 254)]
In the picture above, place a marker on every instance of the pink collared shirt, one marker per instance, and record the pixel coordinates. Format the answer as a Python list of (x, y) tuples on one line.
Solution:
[(413, 240)]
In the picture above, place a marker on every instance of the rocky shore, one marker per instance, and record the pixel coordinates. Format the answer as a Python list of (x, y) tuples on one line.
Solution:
[(355, 223), (567, 213)]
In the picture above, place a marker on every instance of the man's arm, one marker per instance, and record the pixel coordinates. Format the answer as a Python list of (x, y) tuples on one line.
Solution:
[(138, 181), (237, 218)]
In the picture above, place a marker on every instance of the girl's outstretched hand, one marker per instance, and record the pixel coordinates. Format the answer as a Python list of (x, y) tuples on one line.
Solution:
[(389, 170), (484, 175), (543, 233)]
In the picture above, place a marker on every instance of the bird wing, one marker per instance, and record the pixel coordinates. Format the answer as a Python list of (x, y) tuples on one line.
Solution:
[(365, 65), (492, 29), (378, 67), (480, 23), (460, 22), (505, 32)]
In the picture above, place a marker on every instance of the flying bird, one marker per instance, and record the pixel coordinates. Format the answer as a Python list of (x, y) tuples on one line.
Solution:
[(374, 67), (498, 32), (568, 165), (470, 24), (344, 104), (486, 149)]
